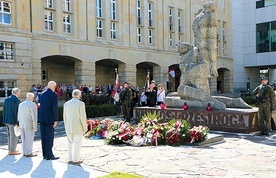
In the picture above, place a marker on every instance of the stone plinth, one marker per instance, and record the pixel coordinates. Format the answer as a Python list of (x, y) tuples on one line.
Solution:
[(229, 120)]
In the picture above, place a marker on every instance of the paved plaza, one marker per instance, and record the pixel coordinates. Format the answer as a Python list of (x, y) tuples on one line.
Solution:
[(239, 155)]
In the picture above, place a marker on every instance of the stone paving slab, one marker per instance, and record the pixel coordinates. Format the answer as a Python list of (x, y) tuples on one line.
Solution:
[(240, 155)]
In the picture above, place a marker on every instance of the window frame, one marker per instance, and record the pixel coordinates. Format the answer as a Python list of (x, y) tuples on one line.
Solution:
[(113, 30), (4, 52), (67, 24), (150, 37), (5, 14), (44, 74), (49, 5), (113, 10), (48, 21), (67, 5), (171, 29), (150, 14), (99, 28), (139, 35), (99, 9), (170, 39), (139, 13)]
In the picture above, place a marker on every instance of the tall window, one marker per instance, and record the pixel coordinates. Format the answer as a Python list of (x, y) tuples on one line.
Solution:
[(179, 21), (139, 35), (150, 40), (113, 9), (266, 37), (49, 20), (150, 14), (170, 19), (44, 74), (6, 51), (66, 5), (49, 3), (179, 39), (5, 12), (99, 28), (171, 40), (99, 6), (139, 13), (66, 23), (113, 30), (224, 38)]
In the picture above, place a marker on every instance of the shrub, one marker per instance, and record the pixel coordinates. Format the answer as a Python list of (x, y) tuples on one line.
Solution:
[(93, 111), (249, 100)]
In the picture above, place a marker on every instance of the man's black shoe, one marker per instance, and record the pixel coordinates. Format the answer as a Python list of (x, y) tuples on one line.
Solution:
[(52, 158)]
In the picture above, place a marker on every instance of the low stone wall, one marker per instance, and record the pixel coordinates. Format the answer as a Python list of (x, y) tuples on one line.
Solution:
[(230, 120)]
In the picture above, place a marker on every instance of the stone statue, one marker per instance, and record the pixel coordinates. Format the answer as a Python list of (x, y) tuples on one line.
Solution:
[(198, 63), (205, 34)]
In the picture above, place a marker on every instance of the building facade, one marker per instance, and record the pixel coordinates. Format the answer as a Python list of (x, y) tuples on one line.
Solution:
[(83, 42), (254, 42)]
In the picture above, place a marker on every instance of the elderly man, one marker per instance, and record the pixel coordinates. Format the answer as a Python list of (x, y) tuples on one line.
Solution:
[(74, 117), (27, 116), (48, 117), (10, 119)]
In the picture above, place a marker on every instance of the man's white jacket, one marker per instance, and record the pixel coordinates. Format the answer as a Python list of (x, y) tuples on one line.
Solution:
[(74, 117)]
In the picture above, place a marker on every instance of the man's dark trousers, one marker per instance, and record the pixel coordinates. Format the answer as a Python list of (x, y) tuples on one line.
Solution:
[(47, 139)]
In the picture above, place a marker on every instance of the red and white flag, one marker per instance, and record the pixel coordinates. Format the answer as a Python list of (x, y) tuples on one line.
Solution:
[(172, 72)]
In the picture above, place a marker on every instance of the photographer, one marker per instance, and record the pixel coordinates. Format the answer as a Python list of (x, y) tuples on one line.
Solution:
[(265, 97)]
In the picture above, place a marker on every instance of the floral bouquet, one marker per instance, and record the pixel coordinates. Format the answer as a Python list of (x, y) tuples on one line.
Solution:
[(198, 134), (178, 133), (98, 129), (154, 131), (119, 132)]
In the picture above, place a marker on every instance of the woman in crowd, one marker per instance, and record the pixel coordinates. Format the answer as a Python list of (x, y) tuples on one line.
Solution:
[(160, 94)]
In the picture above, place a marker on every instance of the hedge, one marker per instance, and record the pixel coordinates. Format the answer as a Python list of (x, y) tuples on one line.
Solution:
[(249, 100), (92, 111)]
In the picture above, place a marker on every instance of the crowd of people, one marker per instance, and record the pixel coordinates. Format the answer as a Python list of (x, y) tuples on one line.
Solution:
[(28, 114)]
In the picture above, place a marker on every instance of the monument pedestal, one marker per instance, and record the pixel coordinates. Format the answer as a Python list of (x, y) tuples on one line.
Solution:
[(229, 120)]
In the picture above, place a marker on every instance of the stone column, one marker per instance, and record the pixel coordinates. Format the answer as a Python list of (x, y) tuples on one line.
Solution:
[(36, 71), (228, 82), (213, 85), (164, 76), (127, 73), (85, 73)]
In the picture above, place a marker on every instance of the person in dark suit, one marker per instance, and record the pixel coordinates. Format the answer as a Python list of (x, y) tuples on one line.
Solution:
[(10, 119), (109, 88), (48, 117)]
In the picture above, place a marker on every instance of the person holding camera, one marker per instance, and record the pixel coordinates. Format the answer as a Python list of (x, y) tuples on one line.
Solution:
[(265, 97)]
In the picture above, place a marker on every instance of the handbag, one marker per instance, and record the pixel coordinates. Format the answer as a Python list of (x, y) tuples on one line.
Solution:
[(16, 131)]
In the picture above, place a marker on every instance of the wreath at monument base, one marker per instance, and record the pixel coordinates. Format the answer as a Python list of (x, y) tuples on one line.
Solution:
[(150, 131)]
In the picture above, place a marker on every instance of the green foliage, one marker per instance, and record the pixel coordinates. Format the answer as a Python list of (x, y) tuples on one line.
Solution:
[(93, 111), (250, 100), (121, 175)]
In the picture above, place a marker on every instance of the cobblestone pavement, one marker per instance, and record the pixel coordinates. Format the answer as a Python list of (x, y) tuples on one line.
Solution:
[(240, 155)]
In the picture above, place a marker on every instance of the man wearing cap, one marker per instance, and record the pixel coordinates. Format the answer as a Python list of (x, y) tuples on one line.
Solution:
[(125, 100), (265, 96)]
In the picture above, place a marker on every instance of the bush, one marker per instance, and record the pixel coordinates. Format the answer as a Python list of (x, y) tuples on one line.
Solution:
[(249, 100), (93, 111)]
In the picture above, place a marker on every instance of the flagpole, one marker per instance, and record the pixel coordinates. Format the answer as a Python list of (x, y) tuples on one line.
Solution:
[(147, 80)]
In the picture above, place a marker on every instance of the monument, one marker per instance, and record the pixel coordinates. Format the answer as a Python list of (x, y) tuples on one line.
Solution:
[(198, 63)]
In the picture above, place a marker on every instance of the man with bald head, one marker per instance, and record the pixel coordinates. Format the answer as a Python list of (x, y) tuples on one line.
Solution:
[(48, 117), (27, 116)]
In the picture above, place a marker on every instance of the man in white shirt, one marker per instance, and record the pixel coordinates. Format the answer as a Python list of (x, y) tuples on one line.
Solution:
[(27, 116), (74, 117)]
